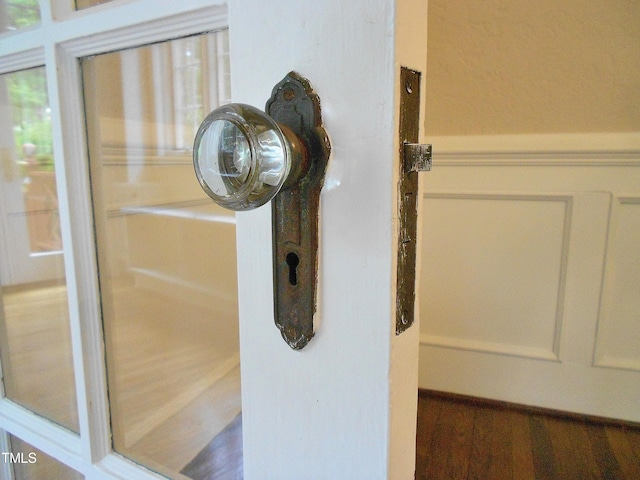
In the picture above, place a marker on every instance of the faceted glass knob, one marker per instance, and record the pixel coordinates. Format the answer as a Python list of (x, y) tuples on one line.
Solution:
[(241, 157)]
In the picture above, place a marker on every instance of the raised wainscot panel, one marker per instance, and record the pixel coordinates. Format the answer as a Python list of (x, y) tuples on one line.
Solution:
[(618, 337), (493, 272)]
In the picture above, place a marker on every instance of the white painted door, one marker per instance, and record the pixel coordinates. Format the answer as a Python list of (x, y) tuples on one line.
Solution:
[(344, 407)]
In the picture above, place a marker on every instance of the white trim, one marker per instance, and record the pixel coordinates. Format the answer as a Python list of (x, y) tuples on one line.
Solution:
[(552, 354), (488, 347), (157, 28), (118, 25), (43, 434), (76, 219), (57, 10), (6, 470), (172, 286), (22, 41), (582, 149), (138, 430), (139, 156), (184, 210), (610, 359), (117, 467), (31, 58)]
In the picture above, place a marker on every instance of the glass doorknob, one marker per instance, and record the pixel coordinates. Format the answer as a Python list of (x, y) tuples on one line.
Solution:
[(243, 158)]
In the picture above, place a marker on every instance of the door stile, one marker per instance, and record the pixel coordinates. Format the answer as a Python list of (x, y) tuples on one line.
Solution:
[(333, 409), (76, 218), (410, 52)]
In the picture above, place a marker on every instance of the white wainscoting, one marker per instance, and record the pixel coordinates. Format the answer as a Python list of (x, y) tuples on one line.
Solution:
[(192, 256), (618, 338), (530, 271)]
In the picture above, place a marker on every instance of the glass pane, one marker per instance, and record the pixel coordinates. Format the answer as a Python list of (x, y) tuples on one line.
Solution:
[(80, 4), (166, 252), (15, 14), (29, 463), (35, 345)]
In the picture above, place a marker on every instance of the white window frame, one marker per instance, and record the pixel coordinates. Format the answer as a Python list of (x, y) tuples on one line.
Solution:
[(62, 38)]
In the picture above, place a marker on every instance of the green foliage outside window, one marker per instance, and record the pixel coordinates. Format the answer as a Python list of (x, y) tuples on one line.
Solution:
[(31, 113), (21, 13)]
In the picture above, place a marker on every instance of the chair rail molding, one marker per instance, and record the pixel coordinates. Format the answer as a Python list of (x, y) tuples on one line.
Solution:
[(579, 149)]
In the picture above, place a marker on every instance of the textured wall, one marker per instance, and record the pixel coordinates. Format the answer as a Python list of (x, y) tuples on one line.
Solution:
[(508, 67)]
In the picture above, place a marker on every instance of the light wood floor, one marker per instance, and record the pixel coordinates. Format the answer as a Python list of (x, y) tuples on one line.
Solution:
[(36, 352), (174, 379)]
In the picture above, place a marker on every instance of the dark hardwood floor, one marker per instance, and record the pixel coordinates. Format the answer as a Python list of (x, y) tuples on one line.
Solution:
[(222, 458), (462, 438)]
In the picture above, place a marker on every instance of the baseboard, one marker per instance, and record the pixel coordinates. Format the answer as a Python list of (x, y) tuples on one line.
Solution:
[(137, 431), (201, 295), (487, 402)]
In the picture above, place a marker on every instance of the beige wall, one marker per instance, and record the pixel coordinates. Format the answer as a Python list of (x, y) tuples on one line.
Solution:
[(510, 67)]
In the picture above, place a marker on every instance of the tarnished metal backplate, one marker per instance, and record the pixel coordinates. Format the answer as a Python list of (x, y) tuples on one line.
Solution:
[(295, 212), (407, 200)]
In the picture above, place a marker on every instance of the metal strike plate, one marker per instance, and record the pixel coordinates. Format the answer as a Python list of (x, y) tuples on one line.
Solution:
[(417, 157), (295, 212), (414, 158)]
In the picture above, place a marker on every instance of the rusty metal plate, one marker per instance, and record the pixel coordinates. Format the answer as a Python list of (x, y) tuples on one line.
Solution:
[(407, 199), (295, 212)]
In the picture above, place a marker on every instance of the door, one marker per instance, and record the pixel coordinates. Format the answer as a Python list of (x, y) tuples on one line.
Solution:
[(29, 217), (344, 407)]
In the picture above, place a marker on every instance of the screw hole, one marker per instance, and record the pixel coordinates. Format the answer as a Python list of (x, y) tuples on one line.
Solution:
[(408, 87), (289, 94)]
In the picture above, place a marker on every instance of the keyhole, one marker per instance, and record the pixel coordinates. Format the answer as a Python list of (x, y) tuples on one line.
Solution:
[(293, 260)]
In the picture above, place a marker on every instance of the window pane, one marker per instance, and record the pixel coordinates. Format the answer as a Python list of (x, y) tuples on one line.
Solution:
[(35, 345), (15, 14), (29, 463), (80, 4), (166, 251)]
